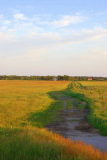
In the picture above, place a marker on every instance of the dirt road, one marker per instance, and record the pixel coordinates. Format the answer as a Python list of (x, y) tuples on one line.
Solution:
[(76, 127)]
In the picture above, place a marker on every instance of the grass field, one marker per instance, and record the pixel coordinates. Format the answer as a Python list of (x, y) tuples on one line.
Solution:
[(23, 102), (27, 105), (97, 91)]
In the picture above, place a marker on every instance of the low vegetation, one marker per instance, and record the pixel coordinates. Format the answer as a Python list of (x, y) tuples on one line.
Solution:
[(28, 102), (95, 94), (28, 106), (39, 144)]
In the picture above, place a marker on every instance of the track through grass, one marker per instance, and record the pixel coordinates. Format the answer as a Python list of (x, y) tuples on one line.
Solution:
[(24, 104)]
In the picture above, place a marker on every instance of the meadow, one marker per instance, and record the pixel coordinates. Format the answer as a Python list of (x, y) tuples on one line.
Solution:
[(20, 100), (26, 107)]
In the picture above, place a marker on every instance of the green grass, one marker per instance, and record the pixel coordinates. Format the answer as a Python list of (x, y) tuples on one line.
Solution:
[(70, 105), (81, 106), (39, 144), (26, 105), (75, 120), (95, 95), (42, 118)]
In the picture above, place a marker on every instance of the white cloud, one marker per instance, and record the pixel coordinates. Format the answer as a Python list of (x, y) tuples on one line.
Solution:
[(28, 44), (64, 21), (23, 42), (12, 44), (19, 16), (3, 21), (101, 13), (67, 20), (6, 37), (99, 51), (34, 54), (3, 28), (11, 30), (31, 55), (86, 35), (6, 22), (94, 62), (46, 53), (95, 34), (23, 26)]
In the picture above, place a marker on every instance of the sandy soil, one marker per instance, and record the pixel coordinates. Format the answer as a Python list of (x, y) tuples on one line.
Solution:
[(75, 126)]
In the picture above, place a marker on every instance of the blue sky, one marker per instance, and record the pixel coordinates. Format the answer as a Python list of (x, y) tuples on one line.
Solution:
[(53, 37)]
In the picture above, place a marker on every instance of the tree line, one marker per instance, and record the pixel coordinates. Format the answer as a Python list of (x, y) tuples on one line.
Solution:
[(52, 78)]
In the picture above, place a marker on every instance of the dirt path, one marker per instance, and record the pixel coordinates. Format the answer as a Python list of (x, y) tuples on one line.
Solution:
[(76, 127)]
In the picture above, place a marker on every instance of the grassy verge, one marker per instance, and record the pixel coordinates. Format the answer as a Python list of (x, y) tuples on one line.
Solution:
[(95, 95), (39, 144)]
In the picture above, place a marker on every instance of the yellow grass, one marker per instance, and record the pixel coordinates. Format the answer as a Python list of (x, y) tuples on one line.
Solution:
[(34, 143), (19, 98)]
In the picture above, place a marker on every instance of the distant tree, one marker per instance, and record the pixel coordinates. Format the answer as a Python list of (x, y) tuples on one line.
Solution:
[(60, 78)]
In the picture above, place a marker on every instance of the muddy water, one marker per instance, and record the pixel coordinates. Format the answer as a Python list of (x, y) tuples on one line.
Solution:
[(76, 127)]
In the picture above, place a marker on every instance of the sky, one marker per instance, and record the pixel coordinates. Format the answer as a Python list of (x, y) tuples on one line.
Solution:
[(53, 37)]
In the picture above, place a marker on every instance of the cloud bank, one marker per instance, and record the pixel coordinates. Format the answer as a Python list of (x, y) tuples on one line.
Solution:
[(45, 45)]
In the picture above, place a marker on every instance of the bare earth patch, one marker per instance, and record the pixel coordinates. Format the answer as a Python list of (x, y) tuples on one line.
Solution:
[(73, 124)]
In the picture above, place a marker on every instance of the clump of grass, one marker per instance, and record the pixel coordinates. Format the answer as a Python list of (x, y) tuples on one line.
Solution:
[(81, 106), (75, 85), (69, 104)]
